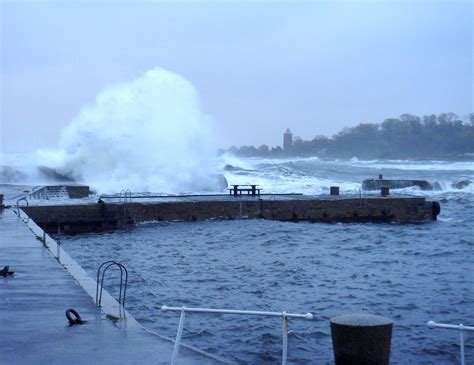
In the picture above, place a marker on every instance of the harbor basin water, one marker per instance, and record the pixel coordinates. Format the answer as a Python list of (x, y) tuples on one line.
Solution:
[(409, 273)]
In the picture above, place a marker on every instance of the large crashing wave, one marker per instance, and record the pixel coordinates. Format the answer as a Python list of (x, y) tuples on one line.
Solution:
[(146, 135)]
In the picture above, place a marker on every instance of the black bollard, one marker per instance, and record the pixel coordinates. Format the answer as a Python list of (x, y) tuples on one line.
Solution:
[(361, 339), (334, 190), (384, 191), (1, 201), (380, 177)]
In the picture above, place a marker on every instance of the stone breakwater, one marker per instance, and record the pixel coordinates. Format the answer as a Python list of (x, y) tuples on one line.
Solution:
[(377, 184), (109, 215)]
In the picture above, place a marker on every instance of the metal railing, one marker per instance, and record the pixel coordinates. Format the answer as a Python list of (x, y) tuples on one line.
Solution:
[(461, 328), (283, 315), (58, 241)]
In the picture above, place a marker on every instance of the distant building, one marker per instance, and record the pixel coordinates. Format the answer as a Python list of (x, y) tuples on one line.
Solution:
[(287, 140)]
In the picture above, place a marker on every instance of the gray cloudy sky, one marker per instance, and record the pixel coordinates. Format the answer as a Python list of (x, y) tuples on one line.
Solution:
[(312, 66)]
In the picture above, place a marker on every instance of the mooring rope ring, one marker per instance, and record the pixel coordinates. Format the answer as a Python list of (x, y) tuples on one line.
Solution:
[(74, 317)]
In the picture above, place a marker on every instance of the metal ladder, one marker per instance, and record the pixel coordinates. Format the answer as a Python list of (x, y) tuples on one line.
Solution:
[(100, 282), (127, 196), (18, 211)]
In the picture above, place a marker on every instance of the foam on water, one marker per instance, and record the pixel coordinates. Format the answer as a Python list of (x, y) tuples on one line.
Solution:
[(415, 165), (314, 175)]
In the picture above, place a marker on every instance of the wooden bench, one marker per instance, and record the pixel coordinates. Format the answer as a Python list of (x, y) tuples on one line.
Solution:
[(249, 189)]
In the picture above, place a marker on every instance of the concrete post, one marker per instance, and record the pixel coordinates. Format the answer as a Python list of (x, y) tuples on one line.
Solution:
[(361, 339), (384, 191), (334, 190)]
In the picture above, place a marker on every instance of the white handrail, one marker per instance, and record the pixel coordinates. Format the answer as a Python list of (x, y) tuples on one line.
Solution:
[(283, 315), (461, 328), (308, 316)]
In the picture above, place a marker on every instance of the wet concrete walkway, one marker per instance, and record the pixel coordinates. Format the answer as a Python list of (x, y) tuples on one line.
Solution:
[(33, 325)]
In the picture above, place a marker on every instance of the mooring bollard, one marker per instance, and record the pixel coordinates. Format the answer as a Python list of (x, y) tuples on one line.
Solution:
[(334, 190), (361, 339), (384, 191), (380, 177), (1, 201)]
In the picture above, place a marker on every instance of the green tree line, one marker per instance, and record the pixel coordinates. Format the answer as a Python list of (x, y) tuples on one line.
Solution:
[(409, 136)]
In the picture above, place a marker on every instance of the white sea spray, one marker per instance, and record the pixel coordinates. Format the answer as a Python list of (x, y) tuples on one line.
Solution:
[(145, 135)]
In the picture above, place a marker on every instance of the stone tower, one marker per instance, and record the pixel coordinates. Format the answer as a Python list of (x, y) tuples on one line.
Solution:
[(287, 140)]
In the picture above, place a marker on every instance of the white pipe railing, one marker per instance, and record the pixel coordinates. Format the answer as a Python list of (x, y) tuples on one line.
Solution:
[(461, 328), (283, 315)]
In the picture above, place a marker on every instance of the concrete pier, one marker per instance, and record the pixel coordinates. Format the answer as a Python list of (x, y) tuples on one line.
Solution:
[(325, 208), (34, 328)]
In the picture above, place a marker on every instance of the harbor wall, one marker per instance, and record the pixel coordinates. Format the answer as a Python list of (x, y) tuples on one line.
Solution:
[(92, 217)]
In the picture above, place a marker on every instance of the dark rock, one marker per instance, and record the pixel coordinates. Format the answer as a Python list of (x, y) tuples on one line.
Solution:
[(229, 167), (461, 184), (11, 175), (222, 182), (53, 175)]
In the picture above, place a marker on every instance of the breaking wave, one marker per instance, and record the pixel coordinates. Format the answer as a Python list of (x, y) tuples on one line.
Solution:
[(145, 135)]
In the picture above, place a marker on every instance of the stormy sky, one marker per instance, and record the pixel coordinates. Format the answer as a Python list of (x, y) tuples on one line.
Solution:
[(259, 67)]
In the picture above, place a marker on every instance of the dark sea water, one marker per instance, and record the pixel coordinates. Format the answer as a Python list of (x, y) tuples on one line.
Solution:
[(409, 273)]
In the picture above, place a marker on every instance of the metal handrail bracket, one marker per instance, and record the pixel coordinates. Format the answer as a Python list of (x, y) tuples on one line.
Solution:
[(283, 315), (461, 328)]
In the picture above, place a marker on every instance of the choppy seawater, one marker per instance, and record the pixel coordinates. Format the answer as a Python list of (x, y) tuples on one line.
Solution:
[(409, 273)]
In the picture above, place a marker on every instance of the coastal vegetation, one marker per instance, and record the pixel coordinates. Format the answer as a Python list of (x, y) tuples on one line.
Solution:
[(432, 136)]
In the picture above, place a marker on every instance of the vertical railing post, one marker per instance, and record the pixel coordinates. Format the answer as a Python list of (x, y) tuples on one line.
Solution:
[(461, 328), (284, 355), (58, 244), (178, 337)]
